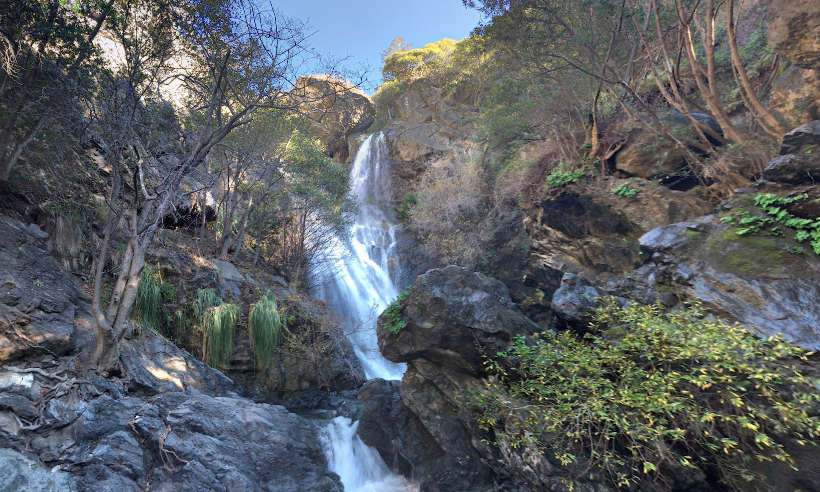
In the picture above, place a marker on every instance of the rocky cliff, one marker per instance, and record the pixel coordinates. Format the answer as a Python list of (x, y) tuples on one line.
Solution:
[(168, 423)]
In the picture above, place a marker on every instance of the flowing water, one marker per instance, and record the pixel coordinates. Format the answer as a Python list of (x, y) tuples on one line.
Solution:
[(361, 289)]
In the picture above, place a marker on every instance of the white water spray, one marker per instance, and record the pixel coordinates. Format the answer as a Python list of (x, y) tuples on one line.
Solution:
[(361, 290)]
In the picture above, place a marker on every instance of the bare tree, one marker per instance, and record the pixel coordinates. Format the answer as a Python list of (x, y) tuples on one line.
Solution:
[(234, 60)]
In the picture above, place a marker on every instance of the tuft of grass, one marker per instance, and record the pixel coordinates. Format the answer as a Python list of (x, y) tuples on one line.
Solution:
[(146, 307), (218, 326), (205, 300), (265, 327)]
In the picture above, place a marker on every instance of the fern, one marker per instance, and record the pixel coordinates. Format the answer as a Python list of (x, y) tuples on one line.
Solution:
[(146, 307), (218, 326), (265, 327), (395, 317)]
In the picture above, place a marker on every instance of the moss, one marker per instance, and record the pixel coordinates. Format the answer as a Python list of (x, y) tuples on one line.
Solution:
[(748, 254)]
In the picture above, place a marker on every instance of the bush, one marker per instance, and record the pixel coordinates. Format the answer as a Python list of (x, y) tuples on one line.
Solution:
[(652, 391), (265, 327), (218, 326), (625, 191), (560, 178), (395, 320)]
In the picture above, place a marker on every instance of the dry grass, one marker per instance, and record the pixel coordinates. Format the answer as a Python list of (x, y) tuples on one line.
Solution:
[(736, 166)]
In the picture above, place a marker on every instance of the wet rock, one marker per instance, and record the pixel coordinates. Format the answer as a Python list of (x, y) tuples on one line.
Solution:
[(399, 436)]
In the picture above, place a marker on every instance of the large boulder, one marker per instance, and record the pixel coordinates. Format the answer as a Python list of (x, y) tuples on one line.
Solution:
[(753, 279), (455, 319), (335, 110)]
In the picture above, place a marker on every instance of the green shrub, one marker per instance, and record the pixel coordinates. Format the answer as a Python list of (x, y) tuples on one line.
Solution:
[(205, 299), (404, 210), (218, 326), (395, 320), (625, 191), (650, 391), (146, 307), (168, 292), (265, 327), (560, 177)]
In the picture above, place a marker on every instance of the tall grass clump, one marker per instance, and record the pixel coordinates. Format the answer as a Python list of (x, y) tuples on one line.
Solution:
[(205, 300), (649, 393), (218, 326), (265, 326), (146, 307)]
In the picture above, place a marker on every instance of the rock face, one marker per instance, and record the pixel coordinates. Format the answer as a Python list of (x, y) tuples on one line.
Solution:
[(453, 317), (425, 127), (751, 280), (336, 111), (794, 31), (579, 230), (169, 423), (20, 473), (40, 301)]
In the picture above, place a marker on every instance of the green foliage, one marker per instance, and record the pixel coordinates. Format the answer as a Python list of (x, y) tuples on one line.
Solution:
[(205, 300), (147, 305), (395, 320), (265, 327), (419, 62), (625, 191), (650, 391), (168, 292), (218, 326), (559, 177), (403, 212), (774, 207)]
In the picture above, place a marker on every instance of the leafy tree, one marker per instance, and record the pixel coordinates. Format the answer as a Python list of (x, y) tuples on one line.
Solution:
[(48, 60), (233, 60)]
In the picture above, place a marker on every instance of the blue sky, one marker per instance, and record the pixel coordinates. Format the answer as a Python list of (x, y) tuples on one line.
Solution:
[(362, 28)]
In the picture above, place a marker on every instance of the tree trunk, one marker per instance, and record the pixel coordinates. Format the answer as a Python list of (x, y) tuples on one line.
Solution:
[(746, 85), (11, 160)]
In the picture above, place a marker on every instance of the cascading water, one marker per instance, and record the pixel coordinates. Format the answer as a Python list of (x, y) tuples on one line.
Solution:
[(361, 289)]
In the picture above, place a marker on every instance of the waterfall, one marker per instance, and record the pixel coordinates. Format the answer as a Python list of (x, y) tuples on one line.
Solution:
[(362, 287)]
